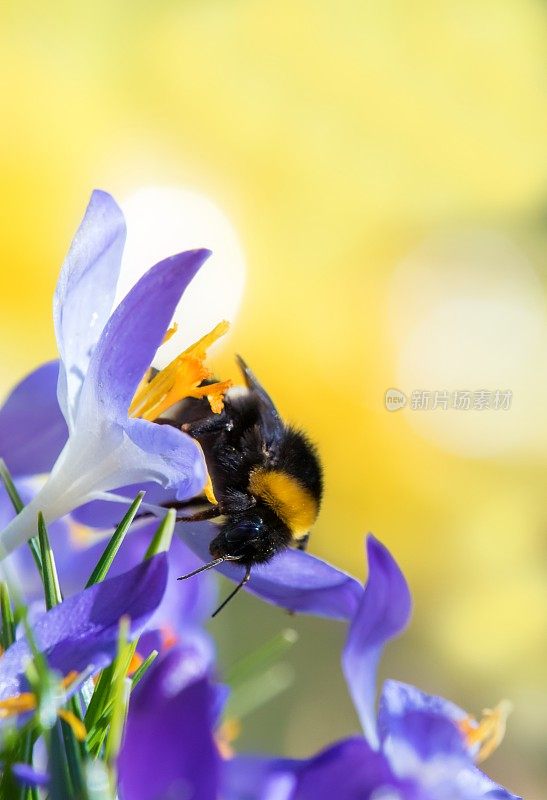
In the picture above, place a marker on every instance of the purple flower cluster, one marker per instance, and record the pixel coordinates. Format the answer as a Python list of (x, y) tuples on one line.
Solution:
[(70, 418)]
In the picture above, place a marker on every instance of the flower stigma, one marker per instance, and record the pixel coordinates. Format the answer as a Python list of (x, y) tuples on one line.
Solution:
[(487, 734), (180, 379)]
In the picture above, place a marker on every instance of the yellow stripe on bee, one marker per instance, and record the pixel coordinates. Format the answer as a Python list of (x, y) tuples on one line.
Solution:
[(285, 495)]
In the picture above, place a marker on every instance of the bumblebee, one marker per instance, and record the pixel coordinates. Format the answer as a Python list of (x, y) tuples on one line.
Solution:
[(266, 477)]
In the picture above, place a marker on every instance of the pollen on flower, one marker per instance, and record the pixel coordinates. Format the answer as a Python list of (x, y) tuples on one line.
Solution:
[(181, 378), (485, 736)]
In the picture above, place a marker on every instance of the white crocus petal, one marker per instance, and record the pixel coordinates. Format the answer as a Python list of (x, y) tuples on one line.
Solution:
[(93, 463)]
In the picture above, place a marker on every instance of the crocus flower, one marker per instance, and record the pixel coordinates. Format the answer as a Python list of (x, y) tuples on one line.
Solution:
[(77, 550), (103, 359), (81, 633), (170, 725), (415, 747), (87, 395)]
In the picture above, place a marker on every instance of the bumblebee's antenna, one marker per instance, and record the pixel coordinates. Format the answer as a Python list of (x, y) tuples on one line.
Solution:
[(210, 565), (239, 586)]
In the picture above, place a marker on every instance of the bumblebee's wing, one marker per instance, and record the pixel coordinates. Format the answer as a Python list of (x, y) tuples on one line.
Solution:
[(270, 421)]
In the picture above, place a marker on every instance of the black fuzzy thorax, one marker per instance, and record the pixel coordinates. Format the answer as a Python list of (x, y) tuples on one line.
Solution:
[(247, 435)]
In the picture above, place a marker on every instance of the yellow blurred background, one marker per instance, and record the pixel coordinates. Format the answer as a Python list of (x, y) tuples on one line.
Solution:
[(383, 169)]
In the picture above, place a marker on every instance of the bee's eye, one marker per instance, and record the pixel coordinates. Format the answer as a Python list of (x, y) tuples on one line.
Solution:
[(244, 530)]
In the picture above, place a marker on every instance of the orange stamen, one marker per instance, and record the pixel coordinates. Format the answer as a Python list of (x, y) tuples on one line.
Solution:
[(169, 637), (228, 732), (26, 701), (487, 734), (179, 379), (134, 664), (78, 727), (170, 332), (11, 706)]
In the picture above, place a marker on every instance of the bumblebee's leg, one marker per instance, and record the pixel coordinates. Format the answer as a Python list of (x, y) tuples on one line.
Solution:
[(178, 505), (212, 424), (302, 543), (199, 516)]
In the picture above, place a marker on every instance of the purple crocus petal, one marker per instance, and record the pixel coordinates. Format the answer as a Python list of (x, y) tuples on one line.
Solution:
[(293, 579), (421, 738), (349, 770), (85, 293), (107, 513), (170, 725), (429, 751), (28, 776), (83, 630), (33, 430), (384, 611), (133, 334), (185, 604), (166, 455), (398, 699)]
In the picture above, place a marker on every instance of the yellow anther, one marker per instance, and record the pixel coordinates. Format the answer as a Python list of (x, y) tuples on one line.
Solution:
[(209, 492), (19, 704), (487, 734), (228, 732), (170, 332), (69, 679), (26, 701), (179, 379), (78, 727), (134, 664)]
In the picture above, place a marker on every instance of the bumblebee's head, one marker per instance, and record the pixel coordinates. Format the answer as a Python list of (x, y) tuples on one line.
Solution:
[(252, 537)]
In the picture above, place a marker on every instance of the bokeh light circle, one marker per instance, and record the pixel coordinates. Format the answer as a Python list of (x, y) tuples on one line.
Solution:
[(162, 221)]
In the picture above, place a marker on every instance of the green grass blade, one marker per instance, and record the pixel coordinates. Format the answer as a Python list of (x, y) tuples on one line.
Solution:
[(162, 537), (18, 505), (141, 671), (8, 622), (256, 663), (52, 590), (13, 494), (28, 792), (120, 699), (74, 761), (105, 561)]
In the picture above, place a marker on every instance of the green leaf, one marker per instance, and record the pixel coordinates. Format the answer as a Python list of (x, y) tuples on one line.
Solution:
[(18, 505), (11, 489), (8, 622), (140, 672), (162, 537), (105, 561), (52, 590), (98, 784), (121, 687), (256, 663)]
